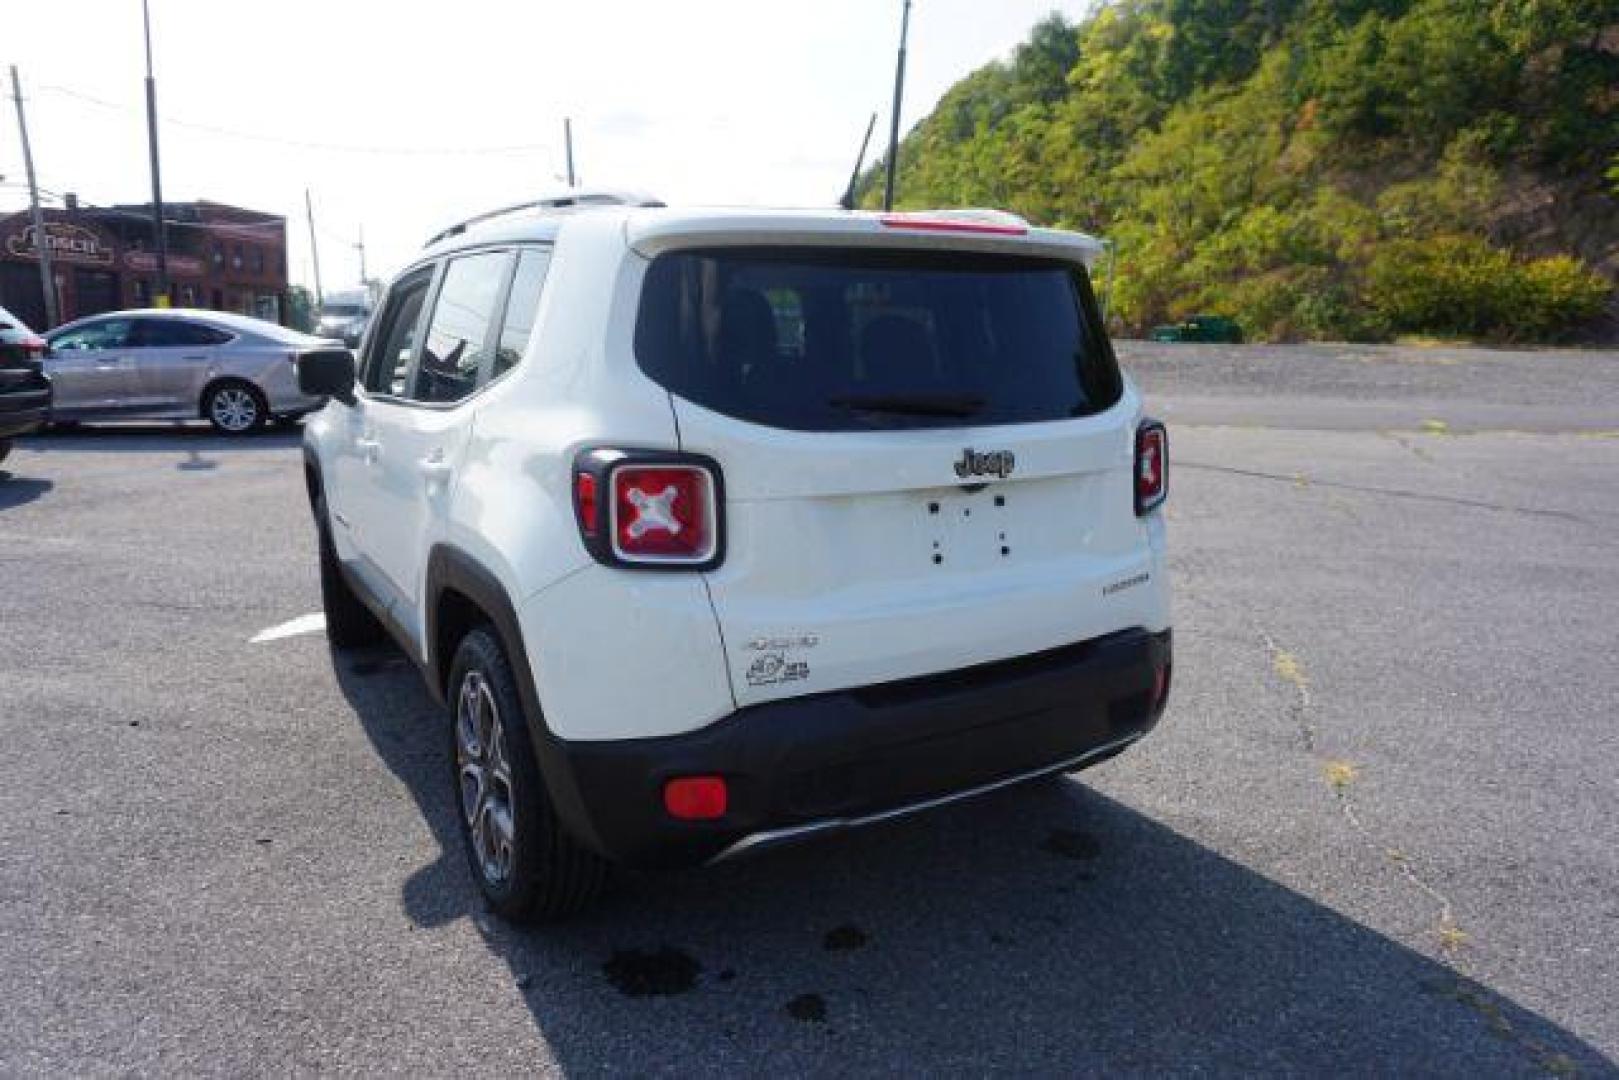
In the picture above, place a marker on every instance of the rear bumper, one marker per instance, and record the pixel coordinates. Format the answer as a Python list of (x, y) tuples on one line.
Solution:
[(23, 410), (825, 762)]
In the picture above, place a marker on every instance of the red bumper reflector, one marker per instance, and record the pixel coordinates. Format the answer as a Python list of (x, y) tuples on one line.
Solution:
[(695, 798)]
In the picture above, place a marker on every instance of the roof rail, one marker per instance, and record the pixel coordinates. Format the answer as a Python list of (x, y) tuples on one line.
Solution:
[(571, 200)]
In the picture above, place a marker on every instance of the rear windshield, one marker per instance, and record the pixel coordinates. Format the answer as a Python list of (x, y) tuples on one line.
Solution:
[(858, 339)]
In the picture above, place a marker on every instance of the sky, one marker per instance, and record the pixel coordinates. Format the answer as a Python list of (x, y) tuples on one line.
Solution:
[(403, 117)]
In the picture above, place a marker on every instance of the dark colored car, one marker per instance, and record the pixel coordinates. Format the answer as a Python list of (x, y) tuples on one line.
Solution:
[(25, 392), (343, 317), (1210, 329)]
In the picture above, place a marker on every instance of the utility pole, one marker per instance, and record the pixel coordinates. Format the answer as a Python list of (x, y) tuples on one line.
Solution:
[(899, 98), (162, 298), (567, 139), (47, 279), (314, 249)]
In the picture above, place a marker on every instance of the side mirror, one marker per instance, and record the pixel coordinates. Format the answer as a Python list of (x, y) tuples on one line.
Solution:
[(327, 373)]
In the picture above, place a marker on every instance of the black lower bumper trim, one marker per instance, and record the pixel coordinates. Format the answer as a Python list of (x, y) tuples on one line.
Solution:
[(831, 760), (22, 421)]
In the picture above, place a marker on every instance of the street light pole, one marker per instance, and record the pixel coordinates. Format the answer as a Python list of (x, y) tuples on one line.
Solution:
[(893, 121), (162, 294)]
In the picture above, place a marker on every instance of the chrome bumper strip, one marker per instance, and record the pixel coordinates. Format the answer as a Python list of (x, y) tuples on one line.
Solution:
[(760, 841)]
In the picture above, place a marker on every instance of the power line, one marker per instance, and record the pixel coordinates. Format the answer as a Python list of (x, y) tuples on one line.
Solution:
[(305, 144)]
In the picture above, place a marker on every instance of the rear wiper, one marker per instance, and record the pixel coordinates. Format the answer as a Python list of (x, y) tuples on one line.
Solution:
[(957, 405)]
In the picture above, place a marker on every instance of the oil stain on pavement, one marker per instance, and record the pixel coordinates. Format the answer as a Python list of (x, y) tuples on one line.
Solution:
[(664, 972)]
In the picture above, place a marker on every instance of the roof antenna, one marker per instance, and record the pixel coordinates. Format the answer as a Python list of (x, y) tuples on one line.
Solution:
[(847, 202), (899, 99)]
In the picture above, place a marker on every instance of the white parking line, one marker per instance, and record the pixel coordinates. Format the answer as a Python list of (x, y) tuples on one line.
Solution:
[(313, 623)]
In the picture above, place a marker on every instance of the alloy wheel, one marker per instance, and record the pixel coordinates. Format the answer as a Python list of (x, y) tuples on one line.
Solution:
[(234, 409), (485, 776)]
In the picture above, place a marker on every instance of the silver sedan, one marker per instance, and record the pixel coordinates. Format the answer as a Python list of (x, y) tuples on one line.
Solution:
[(176, 364)]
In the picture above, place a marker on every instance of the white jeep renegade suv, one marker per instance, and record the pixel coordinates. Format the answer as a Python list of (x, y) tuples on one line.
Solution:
[(717, 529)]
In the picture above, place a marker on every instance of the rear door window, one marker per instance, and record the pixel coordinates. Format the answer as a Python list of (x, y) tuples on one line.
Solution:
[(460, 336), (172, 333), (840, 340)]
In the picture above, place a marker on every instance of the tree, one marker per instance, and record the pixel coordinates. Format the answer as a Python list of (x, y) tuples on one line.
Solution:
[(301, 314)]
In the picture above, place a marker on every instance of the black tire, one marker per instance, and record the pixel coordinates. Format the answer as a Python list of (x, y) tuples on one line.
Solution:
[(234, 407), (349, 623), (5, 449), (548, 875)]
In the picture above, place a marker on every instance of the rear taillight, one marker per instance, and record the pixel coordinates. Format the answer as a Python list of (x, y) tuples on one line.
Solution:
[(663, 512), (584, 503), (649, 509), (1152, 466)]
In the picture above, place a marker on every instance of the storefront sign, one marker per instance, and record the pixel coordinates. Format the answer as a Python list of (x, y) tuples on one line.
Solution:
[(146, 262), (68, 244)]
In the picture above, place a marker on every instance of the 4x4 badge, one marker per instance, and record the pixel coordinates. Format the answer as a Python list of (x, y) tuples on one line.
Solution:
[(998, 464)]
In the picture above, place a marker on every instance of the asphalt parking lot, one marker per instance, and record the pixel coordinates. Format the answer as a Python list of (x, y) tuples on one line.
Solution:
[(1375, 833)]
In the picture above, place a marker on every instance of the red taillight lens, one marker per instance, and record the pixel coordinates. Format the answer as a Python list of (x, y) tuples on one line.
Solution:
[(696, 798), (663, 513), (1152, 466), (584, 501), (650, 509)]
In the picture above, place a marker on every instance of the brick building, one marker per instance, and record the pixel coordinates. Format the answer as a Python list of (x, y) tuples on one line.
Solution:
[(220, 257)]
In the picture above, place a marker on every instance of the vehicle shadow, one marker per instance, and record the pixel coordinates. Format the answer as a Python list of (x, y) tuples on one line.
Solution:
[(1045, 929), (17, 490), (192, 439)]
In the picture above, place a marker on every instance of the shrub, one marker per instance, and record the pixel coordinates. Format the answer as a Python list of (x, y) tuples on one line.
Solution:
[(1463, 285), (1300, 303), (1556, 296)]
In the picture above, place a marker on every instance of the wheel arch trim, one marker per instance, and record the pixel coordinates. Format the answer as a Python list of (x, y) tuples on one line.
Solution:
[(449, 568)]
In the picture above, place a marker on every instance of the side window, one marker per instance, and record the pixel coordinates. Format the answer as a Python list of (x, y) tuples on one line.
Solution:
[(106, 334), (172, 333), (387, 365), (524, 301), (459, 335)]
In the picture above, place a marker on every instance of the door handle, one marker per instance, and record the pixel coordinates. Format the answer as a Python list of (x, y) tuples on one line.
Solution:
[(434, 468)]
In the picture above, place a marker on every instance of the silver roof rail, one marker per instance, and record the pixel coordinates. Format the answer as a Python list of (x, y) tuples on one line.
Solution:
[(571, 200)]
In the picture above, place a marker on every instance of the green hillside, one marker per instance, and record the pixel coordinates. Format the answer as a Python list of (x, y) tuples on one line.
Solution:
[(1330, 169)]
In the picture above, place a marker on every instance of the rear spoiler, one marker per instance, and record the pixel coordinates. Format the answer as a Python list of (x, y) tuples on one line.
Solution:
[(653, 233)]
